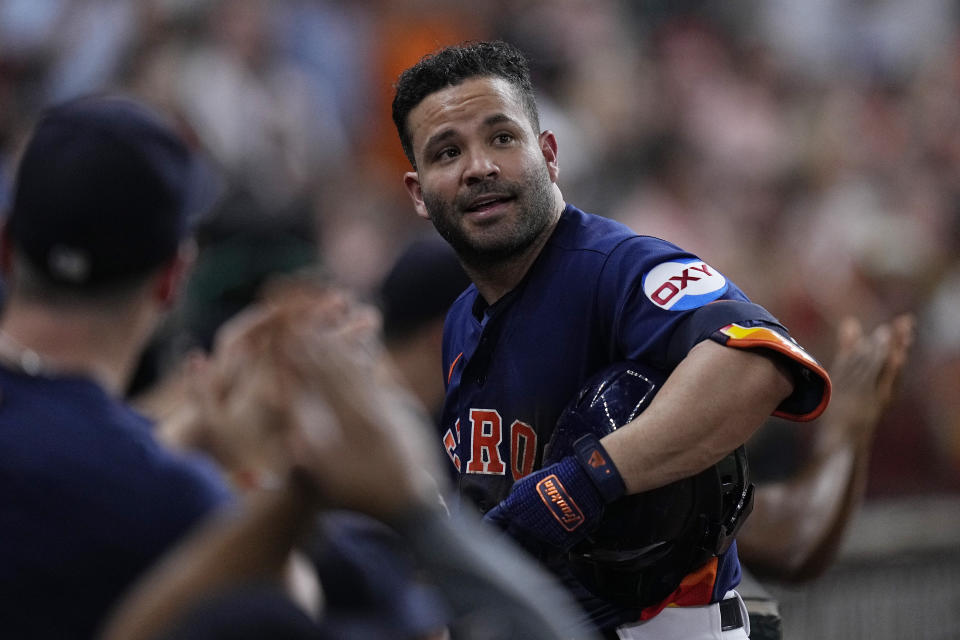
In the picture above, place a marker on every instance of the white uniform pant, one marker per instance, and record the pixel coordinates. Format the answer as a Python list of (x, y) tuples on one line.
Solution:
[(688, 623)]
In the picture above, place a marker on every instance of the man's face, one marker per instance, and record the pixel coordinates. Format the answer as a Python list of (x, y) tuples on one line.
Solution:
[(484, 177)]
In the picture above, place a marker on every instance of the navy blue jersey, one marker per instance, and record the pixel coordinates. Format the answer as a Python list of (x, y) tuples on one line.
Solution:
[(597, 293), (512, 367), (88, 500)]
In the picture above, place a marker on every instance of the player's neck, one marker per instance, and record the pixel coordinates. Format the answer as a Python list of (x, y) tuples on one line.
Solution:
[(495, 280), (70, 343)]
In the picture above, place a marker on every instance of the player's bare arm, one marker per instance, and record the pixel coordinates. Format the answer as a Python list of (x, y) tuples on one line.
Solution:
[(712, 402)]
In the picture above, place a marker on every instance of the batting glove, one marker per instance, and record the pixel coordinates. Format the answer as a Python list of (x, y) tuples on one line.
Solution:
[(559, 505)]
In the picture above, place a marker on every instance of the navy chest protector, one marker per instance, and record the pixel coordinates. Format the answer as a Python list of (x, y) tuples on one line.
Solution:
[(647, 543)]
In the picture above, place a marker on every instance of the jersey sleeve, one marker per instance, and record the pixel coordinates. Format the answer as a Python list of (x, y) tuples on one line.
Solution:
[(666, 300), (649, 287), (743, 325)]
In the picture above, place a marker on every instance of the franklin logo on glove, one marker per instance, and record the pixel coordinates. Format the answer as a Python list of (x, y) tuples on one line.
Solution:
[(564, 509), (574, 491)]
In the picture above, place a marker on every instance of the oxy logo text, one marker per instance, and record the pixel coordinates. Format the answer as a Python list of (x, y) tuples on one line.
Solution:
[(683, 284)]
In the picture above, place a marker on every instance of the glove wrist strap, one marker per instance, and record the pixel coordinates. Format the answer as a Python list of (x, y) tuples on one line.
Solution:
[(598, 466)]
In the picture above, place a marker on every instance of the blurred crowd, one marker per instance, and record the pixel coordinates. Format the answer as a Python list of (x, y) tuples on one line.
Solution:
[(809, 151)]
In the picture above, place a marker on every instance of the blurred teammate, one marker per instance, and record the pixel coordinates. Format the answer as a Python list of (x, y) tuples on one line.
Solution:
[(93, 253), (233, 409), (298, 399), (558, 295), (414, 297)]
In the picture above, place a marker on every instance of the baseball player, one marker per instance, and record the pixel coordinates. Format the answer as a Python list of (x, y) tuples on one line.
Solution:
[(93, 251), (558, 294)]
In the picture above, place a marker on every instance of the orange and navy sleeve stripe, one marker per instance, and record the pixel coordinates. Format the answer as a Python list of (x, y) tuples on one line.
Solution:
[(813, 387)]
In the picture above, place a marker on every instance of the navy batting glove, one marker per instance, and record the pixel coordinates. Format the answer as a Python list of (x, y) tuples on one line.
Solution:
[(559, 505)]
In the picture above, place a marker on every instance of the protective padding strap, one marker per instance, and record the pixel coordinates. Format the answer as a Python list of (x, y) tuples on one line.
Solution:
[(812, 386), (599, 467)]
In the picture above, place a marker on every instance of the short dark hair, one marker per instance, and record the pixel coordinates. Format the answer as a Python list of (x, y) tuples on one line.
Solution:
[(452, 65)]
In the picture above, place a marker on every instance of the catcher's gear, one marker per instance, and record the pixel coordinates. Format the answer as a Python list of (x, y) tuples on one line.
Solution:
[(559, 505), (646, 543)]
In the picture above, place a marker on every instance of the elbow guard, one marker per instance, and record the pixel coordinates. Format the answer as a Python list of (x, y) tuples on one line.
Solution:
[(744, 325)]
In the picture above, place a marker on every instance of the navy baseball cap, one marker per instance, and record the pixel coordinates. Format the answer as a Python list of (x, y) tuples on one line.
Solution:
[(423, 282), (104, 191)]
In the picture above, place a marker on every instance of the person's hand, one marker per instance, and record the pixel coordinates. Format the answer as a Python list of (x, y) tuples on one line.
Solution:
[(236, 404), (359, 436), (559, 505), (300, 381), (865, 372), (173, 403)]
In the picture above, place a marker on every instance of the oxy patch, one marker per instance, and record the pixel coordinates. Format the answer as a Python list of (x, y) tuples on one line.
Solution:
[(683, 284)]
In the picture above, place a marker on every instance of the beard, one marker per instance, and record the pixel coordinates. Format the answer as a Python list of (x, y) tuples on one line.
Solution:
[(533, 198)]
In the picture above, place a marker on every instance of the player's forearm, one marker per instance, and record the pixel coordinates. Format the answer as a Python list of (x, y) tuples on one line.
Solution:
[(711, 404), (797, 525)]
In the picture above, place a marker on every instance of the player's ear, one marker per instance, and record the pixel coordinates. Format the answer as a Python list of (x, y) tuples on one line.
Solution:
[(174, 274), (411, 180), (548, 147)]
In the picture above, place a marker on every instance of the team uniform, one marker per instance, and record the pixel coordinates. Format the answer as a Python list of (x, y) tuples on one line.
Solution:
[(598, 293), (88, 500)]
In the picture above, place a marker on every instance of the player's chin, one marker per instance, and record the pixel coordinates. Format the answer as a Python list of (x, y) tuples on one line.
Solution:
[(491, 237)]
